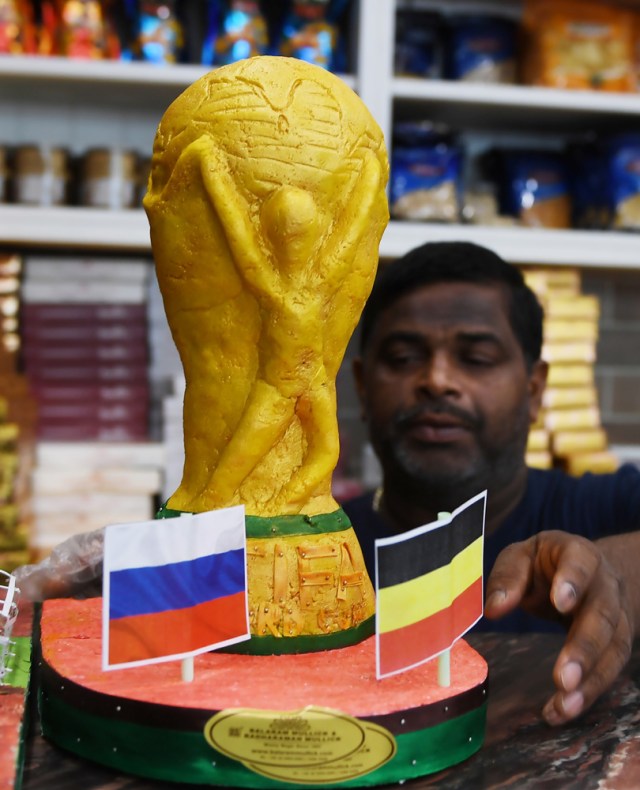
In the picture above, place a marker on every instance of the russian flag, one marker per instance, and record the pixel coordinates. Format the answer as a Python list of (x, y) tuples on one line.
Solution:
[(429, 587), (173, 588)]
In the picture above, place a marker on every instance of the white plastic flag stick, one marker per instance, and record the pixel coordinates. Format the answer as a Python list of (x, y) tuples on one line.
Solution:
[(444, 659), (187, 665)]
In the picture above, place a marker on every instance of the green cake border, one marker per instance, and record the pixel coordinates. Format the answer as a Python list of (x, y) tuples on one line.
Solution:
[(184, 756)]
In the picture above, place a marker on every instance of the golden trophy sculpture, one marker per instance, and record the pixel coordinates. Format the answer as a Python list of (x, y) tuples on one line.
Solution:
[(266, 203)]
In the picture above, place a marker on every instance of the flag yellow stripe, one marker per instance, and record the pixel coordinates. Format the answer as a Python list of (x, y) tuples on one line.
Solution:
[(404, 604)]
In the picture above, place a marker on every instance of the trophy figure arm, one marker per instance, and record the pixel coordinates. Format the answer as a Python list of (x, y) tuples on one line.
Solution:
[(232, 211), (340, 250), (264, 421), (316, 410)]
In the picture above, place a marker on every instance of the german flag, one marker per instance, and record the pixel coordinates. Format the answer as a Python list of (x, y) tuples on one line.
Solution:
[(429, 587)]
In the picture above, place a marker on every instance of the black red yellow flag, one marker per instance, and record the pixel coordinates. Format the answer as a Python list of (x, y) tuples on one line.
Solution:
[(429, 587)]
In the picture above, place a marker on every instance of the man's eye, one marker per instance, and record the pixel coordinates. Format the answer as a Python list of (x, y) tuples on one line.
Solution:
[(480, 359), (402, 359)]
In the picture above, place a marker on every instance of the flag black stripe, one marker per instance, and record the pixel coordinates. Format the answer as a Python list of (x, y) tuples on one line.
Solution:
[(422, 554)]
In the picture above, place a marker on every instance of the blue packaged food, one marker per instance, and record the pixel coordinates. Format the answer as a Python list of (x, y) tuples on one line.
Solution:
[(426, 174), (534, 187), (481, 49), (418, 47), (623, 172), (243, 33), (307, 35)]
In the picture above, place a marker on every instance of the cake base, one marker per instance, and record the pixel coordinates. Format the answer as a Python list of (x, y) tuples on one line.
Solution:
[(304, 720)]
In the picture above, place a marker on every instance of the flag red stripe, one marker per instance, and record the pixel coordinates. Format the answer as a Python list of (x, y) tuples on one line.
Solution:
[(178, 631), (414, 643)]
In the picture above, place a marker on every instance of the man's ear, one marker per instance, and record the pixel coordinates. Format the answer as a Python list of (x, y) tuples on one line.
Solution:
[(358, 377), (536, 387)]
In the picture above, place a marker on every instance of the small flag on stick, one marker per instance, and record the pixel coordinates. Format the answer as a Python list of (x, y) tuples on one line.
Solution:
[(174, 588), (429, 587)]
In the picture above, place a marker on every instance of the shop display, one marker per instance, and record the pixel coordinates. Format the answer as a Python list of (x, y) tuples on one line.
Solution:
[(426, 174), (308, 35), (569, 433), (481, 49), (160, 36), (419, 44), (40, 175), (109, 179), (292, 218), (578, 45), (17, 31)]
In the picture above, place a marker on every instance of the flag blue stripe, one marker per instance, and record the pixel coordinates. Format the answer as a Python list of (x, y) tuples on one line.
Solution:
[(177, 585)]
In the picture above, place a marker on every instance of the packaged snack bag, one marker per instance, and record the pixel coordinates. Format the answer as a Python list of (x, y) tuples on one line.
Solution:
[(243, 33), (81, 29), (419, 44), (587, 168), (17, 33), (534, 187), (623, 170), (576, 44), (160, 35), (480, 48), (307, 34), (426, 174)]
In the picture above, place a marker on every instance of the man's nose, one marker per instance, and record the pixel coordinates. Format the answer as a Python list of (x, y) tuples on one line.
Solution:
[(438, 376)]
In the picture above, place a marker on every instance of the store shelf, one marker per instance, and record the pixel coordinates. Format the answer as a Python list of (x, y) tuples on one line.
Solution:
[(114, 80), (85, 228), (523, 245), (469, 104)]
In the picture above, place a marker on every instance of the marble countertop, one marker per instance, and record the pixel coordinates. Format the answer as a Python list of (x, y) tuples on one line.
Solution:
[(600, 751)]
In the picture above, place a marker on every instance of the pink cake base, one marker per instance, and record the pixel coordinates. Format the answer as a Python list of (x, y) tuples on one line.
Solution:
[(115, 717)]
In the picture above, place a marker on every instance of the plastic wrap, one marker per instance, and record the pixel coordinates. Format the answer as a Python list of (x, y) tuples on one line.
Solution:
[(74, 568)]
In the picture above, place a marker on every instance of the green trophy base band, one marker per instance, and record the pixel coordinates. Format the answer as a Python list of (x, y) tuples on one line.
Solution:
[(186, 758), (284, 526), (272, 645)]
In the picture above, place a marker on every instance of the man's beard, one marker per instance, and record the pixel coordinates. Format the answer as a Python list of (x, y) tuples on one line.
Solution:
[(449, 474)]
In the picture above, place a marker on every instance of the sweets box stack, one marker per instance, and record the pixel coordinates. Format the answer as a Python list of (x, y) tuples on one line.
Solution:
[(82, 486), (569, 432), (84, 330)]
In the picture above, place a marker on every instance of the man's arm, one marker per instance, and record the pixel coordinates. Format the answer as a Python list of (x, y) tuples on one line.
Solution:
[(594, 588)]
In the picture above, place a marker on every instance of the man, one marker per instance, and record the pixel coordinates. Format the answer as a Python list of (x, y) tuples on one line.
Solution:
[(450, 378)]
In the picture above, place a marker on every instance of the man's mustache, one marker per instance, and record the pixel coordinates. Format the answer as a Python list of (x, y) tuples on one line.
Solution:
[(422, 411)]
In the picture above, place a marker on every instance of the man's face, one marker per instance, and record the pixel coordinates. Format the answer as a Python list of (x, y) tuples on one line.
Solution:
[(445, 388)]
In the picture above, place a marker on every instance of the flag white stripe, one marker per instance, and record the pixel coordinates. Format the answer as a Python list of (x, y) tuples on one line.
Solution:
[(159, 542)]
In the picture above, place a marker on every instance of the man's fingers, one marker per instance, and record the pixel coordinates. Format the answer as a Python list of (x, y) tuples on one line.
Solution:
[(509, 579), (579, 688)]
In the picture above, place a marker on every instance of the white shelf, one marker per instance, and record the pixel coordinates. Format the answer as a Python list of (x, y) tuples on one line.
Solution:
[(521, 96), (469, 104), (88, 228), (38, 71), (523, 245), (33, 226)]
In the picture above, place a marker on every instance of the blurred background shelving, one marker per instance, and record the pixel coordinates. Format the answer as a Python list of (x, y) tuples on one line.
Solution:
[(84, 105)]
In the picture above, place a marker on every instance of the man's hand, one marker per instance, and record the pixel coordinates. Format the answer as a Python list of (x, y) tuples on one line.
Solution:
[(569, 578)]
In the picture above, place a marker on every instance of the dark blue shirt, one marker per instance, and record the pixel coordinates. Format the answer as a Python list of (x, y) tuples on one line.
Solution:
[(593, 506)]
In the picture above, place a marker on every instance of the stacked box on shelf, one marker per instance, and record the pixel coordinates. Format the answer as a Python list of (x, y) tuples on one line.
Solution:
[(10, 271), (165, 367), (173, 436), (17, 427), (82, 486), (570, 421), (84, 347)]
